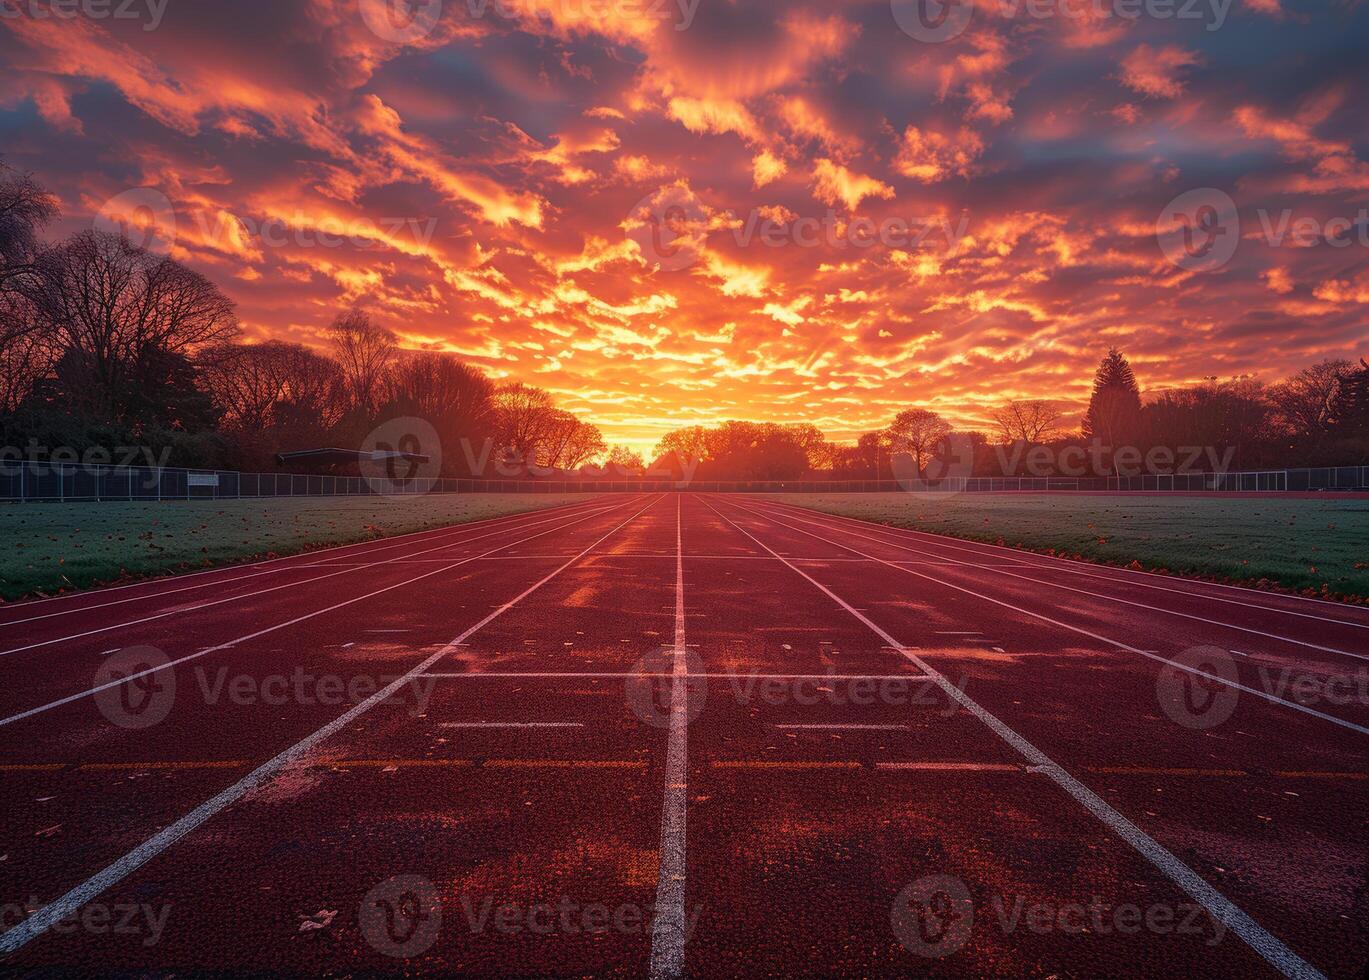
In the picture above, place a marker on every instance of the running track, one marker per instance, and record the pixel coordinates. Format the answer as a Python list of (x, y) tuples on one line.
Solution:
[(673, 734)]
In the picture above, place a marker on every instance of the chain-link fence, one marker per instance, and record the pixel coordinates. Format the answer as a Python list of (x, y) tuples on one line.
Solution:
[(22, 482)]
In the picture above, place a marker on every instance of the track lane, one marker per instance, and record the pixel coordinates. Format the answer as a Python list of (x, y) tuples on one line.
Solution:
[(1222, 594), (265, 773), (1235, 800)]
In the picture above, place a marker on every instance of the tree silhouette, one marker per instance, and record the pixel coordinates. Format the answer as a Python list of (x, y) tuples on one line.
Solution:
[(1114, 412)]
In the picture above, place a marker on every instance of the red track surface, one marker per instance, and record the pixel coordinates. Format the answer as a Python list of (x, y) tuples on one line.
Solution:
[(644, 709)]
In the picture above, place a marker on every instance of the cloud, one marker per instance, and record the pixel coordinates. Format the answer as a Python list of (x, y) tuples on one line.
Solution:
[(519, 174), (834, 184), (1155, 72)]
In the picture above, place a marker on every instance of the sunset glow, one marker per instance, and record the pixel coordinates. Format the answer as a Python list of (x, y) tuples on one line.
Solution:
[(673, 212)]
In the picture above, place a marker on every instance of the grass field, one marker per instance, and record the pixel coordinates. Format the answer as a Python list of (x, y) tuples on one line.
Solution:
[(54, 547), (1313, 546)]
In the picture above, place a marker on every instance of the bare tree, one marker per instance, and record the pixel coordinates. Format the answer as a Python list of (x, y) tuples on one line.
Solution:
[(627, 461), (689, 445), (118, 311), (25, 208), (918, 432), (1031, 421), (264, 386), (1305, 403), (569, 442), (27, 350), (441, 387), (455, 398), (24, 359), (523, 418), (365, 351)]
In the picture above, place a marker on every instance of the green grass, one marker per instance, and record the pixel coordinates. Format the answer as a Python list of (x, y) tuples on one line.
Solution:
[(49, 548), (1317, 547)]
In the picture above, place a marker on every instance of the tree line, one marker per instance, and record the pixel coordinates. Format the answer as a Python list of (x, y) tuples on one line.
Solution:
[(103, 344), (1317, 417)]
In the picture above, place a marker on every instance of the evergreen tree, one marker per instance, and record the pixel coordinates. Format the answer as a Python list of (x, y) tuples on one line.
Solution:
[(1114, 413)]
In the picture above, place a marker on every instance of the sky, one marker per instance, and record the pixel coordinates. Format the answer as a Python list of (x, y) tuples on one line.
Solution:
[(674, 212)]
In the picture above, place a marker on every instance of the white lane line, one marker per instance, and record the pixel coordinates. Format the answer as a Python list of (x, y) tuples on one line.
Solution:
[(262, 632), (511, 724), (1217, 905), (854, 728), (1097, 595), (383, 544), (1151, 654), (180, 611), (1030, 559), (668, 926), (56, 911), (158, 595), (621, 675)]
